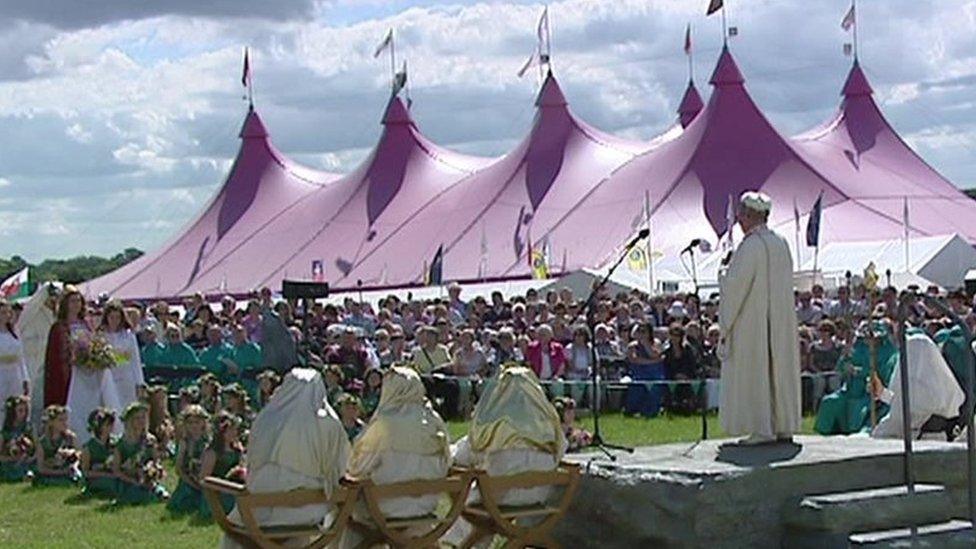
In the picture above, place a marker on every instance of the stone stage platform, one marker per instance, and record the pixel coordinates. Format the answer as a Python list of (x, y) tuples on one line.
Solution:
[(719, 494)]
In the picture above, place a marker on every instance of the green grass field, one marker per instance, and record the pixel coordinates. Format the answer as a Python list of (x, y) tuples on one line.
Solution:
[(59, 517)]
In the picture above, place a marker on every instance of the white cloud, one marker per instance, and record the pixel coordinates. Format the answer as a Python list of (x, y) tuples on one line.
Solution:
[(4, 182), (132, 115)]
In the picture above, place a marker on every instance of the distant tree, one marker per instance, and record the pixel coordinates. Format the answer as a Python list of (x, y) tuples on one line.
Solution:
[(70, 271)]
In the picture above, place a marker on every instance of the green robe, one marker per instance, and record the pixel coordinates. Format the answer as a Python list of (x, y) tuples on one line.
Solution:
[(178, 354), (212, 358), (952, 342), (247, 356), (133, 456), (226, 461), (151, 354), (15, 471), (51, 461), (99, 455), (186, 498), (848, 410)]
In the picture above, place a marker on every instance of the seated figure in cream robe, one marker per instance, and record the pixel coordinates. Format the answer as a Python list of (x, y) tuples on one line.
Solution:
[(404, 440), (514, 429), (296, 441), (933, 391)]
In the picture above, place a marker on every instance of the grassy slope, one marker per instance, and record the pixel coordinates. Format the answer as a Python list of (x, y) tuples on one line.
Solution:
[(58, 517)]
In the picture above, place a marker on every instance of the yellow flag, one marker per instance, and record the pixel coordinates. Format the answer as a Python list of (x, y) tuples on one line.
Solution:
[(870, 277), (540, 264), (637, 259)]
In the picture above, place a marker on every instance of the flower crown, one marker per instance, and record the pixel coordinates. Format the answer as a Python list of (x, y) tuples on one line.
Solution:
[(54, 411), (99, 417), (194, 411), (133, 409), (12, 401)]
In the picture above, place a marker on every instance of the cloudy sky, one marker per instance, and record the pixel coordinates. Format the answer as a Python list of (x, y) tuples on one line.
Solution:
[(119, 119)]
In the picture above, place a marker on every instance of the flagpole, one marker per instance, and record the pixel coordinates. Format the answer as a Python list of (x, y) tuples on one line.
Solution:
[(392, 60), (796, 236), (854, 7), (650, 236), (905, 223), (725, 28)]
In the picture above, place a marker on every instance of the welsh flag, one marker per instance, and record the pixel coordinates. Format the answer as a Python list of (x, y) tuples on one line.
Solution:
[(17, 286)]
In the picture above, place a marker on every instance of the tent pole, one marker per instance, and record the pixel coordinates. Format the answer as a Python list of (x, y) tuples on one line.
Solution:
[(650, 246)]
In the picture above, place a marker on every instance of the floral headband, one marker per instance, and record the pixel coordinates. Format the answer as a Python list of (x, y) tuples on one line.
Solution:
[(134, 409), (54, 411), (99, 417), (12, 401), (194, 411)]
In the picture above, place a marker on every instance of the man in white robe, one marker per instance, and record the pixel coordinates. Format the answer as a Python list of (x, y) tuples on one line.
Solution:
[(760, 377), (33, 326), (933, 391)]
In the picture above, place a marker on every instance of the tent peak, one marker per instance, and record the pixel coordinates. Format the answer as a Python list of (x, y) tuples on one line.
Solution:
[(726, 71), (550, 95), (691, 105), (857, 82), (396, 112), (253, 126)]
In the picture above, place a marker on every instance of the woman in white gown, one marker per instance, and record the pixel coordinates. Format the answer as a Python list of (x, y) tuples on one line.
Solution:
[(88, 388), (404, 440), (13, 369), (296, 441), (514, 429), (127, 375)]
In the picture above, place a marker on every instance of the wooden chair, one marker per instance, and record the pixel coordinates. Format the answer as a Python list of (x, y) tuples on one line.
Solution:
[(411, 532), (489, 518), (252, 535)]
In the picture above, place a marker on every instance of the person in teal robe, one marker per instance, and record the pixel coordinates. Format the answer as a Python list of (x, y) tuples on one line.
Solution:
[(176, 352), (137, 460), (187, 497), (847, 410), (16, 440), (56, 458), (244, 362), (224, 458), (952, 343), (96, 467), (213, 358), (151, 351)]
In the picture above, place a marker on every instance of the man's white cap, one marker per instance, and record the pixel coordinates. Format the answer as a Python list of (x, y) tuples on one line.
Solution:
[(757, 201)]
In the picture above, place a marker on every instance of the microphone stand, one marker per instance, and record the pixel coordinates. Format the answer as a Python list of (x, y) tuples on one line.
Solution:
[(597, 440), (702, 373)]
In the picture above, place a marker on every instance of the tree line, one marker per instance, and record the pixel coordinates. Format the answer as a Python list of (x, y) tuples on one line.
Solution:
[(70, 271)]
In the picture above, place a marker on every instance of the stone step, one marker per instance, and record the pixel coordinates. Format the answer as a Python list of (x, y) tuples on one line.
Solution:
[(872, 509), (949, 535)]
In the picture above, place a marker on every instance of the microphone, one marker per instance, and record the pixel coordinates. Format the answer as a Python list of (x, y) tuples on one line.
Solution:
[(694, 244), (640, 236)]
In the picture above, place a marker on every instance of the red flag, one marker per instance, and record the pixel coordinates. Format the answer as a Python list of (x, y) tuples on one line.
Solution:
[(246, 75), (688, 40), (714, 6)]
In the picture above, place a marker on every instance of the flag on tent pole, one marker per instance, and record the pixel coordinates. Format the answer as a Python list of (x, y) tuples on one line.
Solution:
[(796, 234), (318, 270), (246, 77), (529, 63), (813, 222), (688, 39), (400, 79), (539, 260), (848, 49), (850, 19), (386, 43), (637, 260), (434, 275), (870, 277), (483, 262), (17, 286), (714, 6), (542, 33)]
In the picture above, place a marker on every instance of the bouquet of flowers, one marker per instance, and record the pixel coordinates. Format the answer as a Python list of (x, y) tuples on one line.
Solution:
[(95, 353), (237, 474), (67, 457), (151, 473), (22, 448)]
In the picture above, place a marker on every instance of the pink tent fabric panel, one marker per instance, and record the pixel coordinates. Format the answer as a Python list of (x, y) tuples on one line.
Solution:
[(261, 186)]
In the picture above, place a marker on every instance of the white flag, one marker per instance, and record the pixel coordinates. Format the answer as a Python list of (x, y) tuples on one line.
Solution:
[(529, 63), (384, 44), (400, 79), (542, 29), (849, 19)]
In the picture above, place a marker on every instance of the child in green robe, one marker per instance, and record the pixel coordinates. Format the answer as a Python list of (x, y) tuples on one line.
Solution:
[(16, 440), (136, 460), (56, 458), (237, 402), (96, 455), (224, 458), (187, 497), (209, 393)]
